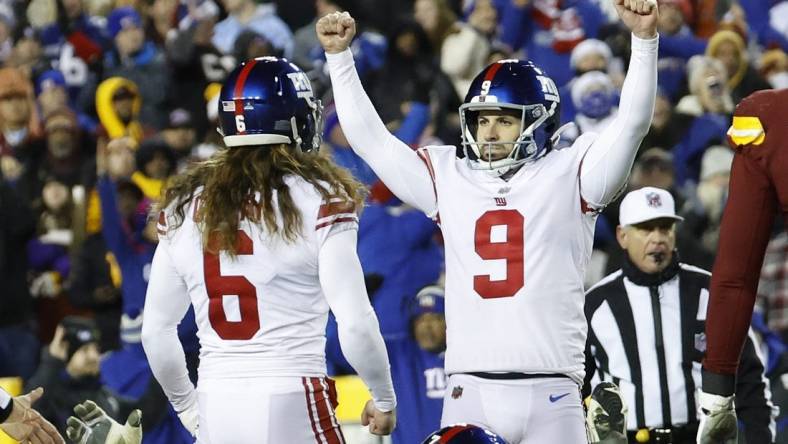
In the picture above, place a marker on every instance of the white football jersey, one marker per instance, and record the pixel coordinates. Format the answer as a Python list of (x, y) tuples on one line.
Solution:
[(262, 313), (516, 253)]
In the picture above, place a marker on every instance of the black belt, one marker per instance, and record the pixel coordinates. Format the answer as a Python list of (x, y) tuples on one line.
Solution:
[(515, 375)]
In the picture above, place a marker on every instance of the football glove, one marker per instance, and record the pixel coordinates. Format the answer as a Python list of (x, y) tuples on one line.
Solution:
[(92, 425), (607, 415), (717, 420)]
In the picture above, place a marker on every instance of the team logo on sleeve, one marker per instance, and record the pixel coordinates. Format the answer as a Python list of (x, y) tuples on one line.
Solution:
[(746, 130), (456, 392)]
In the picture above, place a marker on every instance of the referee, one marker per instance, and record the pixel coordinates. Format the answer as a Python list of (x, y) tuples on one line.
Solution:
[(646, 332)]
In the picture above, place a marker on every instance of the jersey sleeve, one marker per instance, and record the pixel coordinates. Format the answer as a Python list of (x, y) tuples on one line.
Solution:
[(608, 161), (342, 281), (334, 216), (166, 303), (397, 165)]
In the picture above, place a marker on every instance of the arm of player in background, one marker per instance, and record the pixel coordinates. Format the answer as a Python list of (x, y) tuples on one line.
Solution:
[(609, 159), (166, 302), (398, 166), (359, 333)]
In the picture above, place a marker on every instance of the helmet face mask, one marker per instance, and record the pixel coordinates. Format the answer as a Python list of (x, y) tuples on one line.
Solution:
[(516, 88), (269, 101), (523, 149)]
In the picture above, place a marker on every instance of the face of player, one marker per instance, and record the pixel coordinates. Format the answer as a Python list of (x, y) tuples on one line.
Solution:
[(430, 332), (497, 126), (650, 244), (85, 362)]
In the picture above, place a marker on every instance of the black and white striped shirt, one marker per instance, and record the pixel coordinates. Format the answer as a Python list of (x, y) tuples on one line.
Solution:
[(646, 334)]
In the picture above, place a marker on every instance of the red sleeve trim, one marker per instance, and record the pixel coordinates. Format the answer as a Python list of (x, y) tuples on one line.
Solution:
[(338, 207), (337, 220), (584, 207), (425, 157)]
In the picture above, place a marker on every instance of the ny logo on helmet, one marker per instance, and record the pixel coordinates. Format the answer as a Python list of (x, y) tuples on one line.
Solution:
[(548, 88), (301, 83)]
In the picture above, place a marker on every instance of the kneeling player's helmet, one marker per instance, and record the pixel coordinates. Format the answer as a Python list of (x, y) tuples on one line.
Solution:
[(519, 86), (463, 434), (269, 100)]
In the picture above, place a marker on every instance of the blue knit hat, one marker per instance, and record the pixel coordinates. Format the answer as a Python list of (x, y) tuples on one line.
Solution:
[(122, 18), (429, 299), (49, 79)]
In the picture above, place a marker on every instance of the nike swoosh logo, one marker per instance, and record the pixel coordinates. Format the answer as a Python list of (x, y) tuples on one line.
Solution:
[(554, 398)]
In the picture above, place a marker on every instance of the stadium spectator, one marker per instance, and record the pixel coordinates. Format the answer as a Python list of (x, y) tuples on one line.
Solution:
[(461, 48), (69, 372), (66, 155), (594, 98), (136, 58), (261, 18), (94, 284), (773, 66), (417, 366), (703, 210), (589, 55), (118, 105), (708, 107), (729, 47), (19, 124)]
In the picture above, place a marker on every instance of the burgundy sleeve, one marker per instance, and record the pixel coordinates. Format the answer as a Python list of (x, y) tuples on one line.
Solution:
[(744, 233)]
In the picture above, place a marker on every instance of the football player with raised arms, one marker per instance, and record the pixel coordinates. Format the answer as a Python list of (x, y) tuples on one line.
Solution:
[(517, 217), (261, 240)]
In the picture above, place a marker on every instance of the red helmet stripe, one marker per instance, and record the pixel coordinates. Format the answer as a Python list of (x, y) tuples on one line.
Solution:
[(452, 433), (238, 92), (492, 71)]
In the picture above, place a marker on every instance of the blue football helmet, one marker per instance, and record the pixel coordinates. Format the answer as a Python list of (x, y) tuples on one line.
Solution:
[(463, 434), (521, 87), (269, 100)]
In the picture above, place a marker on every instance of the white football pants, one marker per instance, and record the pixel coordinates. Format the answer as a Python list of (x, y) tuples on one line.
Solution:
[(268, 410), (522, 411)]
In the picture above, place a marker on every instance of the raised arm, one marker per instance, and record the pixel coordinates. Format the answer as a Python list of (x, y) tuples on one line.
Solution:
[(609, 159), (359, 333), (398, 166), (166, 303)]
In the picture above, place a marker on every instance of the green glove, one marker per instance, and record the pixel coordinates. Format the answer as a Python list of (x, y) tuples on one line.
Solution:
[(92, 425)]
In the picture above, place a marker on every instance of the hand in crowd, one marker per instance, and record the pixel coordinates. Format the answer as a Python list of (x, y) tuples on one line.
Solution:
[(58, 348), (117, 158), (92, 425), (639, 16), (380, 423), (335, 31), (11, 168), (27, 425)]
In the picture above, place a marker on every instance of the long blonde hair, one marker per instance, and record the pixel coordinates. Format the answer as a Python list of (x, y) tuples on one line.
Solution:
[(233, 176)]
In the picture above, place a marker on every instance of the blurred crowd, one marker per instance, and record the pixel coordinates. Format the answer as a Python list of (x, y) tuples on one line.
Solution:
[(76, 239)]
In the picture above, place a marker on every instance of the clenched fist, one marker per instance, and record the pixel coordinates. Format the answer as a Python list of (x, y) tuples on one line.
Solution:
[(639, 16), (335, 31)]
